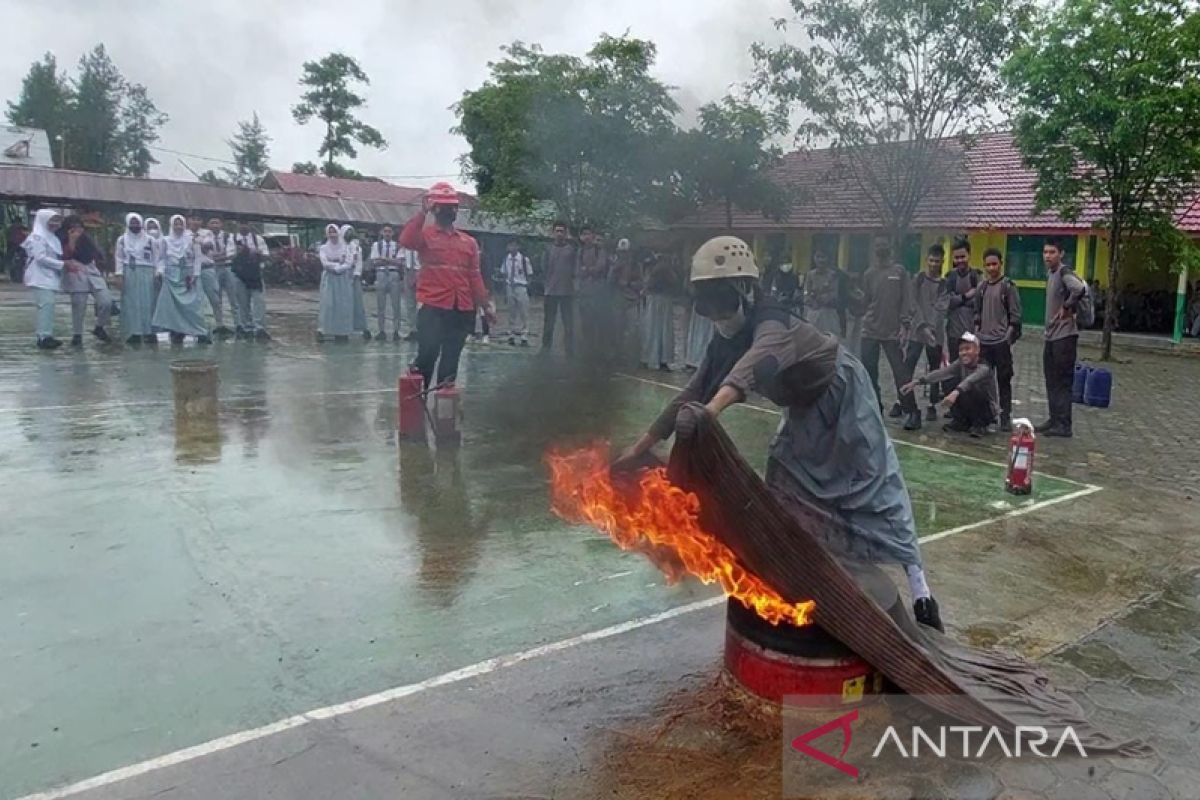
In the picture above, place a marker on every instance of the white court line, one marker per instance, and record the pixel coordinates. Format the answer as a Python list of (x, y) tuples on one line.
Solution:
[(1016, 512), (341, 709), (926, 447)]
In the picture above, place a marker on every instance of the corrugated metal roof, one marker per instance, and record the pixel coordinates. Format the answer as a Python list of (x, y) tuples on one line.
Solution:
[(985, 186), (31, 184), (321, 186), (27, 147)]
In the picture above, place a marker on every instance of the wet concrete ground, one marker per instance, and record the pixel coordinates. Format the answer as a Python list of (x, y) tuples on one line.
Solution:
[(163, 591)]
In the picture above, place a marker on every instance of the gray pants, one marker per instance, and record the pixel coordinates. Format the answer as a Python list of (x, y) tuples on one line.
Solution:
[(250, 308), (79, 301), (389, 286), (518, 311), (43, 320), (410, 298), (218, 282)]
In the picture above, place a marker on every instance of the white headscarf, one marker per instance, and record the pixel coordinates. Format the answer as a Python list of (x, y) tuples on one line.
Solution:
[(157, 234), (335, 249), (135, 241), (353, 248), (179, 245), (41, 232)]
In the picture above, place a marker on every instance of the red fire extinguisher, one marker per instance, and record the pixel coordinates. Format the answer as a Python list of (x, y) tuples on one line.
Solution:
[(1021, 448), (446, 413), (412, 405)]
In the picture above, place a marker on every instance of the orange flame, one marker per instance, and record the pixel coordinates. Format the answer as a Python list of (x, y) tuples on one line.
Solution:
[(661, 521)]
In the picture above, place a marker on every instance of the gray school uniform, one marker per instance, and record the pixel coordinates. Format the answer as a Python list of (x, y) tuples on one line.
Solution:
[(137, 263), (180, 308), (250, 310), (335, 316), (216, 278), (389, 283)]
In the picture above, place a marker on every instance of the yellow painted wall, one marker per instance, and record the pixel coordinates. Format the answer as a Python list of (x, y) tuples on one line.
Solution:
[(843, 250), (801, 251), (1102, 256)]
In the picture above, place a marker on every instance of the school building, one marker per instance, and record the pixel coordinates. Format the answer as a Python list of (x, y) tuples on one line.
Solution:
[(984, 191)]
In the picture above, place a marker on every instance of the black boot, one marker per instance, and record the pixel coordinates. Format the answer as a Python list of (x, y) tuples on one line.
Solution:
[(1005, 422), (896, 411), (931, 414), (927, 614), (913, 422), (101, 334), (1045, 426)]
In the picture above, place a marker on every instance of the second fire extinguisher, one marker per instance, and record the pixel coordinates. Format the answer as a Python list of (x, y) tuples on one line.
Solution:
[(1021, 449)]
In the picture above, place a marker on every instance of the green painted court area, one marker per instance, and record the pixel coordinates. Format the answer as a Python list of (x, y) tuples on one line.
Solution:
[(161, 590)]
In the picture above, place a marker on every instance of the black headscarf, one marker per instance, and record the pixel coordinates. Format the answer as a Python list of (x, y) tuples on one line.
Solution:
[(85, 251)]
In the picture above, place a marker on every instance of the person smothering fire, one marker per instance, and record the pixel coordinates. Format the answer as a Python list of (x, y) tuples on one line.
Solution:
[(831, 450)]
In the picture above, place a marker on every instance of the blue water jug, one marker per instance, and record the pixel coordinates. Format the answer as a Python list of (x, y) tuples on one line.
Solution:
[(1098, 391), (1081, 377)]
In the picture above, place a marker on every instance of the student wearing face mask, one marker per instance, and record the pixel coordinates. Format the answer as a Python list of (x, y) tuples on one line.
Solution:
[(832, 451)]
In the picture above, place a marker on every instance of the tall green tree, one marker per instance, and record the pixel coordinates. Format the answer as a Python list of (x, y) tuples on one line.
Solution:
[(95, 127), (140, 121), (251, 148), (726, 160), (329, 97), (580, 139), (1108, 97), (45, 102), (895, 87)]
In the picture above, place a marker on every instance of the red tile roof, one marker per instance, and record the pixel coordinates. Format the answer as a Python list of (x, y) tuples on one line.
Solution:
[(988, 187), (372, 189)]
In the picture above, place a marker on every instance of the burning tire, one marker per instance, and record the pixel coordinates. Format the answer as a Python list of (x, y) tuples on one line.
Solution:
[(805, 664)]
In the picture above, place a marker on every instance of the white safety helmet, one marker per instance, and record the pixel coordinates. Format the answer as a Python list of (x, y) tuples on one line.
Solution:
[(723, 257)]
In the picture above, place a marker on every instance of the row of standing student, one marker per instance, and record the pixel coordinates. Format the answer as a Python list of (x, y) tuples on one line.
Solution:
[(163, 279)]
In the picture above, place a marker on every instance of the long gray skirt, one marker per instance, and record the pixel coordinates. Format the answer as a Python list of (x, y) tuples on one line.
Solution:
[(700, 333), (837, 456), (360, 308), (137, 301), (658, 330), (180, 309), (335, 316)]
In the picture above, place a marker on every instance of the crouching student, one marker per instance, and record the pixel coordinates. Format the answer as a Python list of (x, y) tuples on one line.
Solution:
[(974, 400)]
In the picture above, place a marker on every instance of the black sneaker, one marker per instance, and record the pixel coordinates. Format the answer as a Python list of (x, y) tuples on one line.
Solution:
[(1045, 426), (176, 338), (512, 341), (49, 343), (240, 334), (262, 336), (150, 339), (396, 337), (954, 426), (101, 334), (381, 337), (223, 332), (927, 614), (204, 340), (931, 414), (134, 341), (341, 340), (896, 411), (1058, 432), (913, 422), (1005, 422), (77, 340), (524, 343), (366, 335)]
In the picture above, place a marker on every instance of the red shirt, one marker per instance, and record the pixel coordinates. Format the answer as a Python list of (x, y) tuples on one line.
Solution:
[(449, 276)]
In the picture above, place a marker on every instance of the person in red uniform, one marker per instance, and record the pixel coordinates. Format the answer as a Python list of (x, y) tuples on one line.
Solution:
[(449, 285)]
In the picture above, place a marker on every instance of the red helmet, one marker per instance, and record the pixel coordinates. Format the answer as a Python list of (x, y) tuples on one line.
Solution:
[(442, 194)]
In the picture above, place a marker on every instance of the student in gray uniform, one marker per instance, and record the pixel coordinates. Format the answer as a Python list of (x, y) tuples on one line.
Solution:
[(558, 271), (825, 296), (928, 326), (136, 264), (389, 281), (1064, 294), (973, 399), (84, 282), (831, 452), (517, 272), (958, 294), (246, 253), (216, 279), (886, 323), (179, 310), (998, 320)]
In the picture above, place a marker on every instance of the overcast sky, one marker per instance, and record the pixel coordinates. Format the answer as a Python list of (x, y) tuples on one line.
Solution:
[(211, 64)]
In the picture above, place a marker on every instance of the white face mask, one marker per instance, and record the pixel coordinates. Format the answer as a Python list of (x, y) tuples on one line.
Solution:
[(729, 328)]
